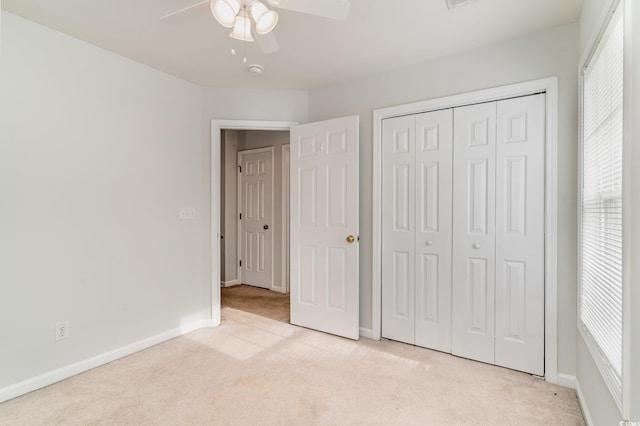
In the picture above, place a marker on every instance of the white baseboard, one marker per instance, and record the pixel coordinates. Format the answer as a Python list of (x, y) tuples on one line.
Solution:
[(567, 380), (231, 283), (62, 373), (366, 333), (583, 404), (277, 288)]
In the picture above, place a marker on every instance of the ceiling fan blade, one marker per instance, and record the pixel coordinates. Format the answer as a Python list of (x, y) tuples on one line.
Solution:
[(333, 9), (268, 43), (185, 14)]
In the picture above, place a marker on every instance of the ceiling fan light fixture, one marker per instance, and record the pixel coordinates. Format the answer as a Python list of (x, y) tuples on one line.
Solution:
[(225, 11), (242, 28), (266, 20)]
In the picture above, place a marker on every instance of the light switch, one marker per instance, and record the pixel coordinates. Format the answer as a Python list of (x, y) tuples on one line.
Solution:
[(187, 213)]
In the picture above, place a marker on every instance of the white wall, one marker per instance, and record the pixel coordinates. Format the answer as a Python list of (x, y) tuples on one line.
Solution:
[(597, 398), (549, 53), (97, 153), (251, 104)]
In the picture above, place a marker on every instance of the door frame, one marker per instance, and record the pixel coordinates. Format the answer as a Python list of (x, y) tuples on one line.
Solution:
[(217, 126), (240, 193), (286, 214), (546, 85)]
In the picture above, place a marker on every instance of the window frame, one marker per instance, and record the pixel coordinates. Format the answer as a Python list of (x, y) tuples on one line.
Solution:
[(621, 398)]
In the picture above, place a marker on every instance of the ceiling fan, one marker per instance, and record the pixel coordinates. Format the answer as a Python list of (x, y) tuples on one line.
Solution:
[(252, 20)]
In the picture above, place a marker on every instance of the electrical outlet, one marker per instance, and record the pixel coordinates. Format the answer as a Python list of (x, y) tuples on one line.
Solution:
[(62, 330), (187, 213)]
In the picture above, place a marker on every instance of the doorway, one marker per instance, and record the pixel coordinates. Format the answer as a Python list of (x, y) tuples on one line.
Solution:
[(324, 263), (252, 215), (223, 204)]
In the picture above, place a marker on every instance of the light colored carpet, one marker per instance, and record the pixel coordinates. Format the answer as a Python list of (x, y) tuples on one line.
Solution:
[(254, 370)]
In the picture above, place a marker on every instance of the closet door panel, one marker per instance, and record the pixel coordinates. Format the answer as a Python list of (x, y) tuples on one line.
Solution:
[(433, 156), (398, 229), (474, 151), (520, 234)]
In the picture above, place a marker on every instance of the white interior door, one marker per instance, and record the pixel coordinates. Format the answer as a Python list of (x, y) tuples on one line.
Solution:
[(416, 236), (256, 213), (325, 226), (520, 234), (398, 228), (474, 152), (434, 192)]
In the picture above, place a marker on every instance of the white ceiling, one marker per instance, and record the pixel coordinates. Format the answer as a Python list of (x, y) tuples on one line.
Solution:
[(378, 35)]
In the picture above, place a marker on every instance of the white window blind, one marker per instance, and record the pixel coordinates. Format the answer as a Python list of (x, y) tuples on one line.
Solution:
[(600, 307)]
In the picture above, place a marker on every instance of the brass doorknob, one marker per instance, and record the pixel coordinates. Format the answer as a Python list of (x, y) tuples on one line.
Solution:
[(351, 239)]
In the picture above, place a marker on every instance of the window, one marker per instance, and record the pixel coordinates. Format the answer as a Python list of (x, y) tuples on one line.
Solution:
[(601, 229)]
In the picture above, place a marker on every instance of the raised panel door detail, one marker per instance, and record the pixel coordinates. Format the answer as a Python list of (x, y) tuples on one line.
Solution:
[(307, 146), (337, 142), (429, 205), (429, 283), (401, 284), (516, 128), (307, 275), (514, 299), (401, 142), (261, 167), (515, 197), (336, 278), (479, 132), (248, 250), (248, 168), (401, 197), (261, 201), (430, 137), (477, 197), (477, 295), (307, 196), (249, 200), (337, 196), (261, 251)]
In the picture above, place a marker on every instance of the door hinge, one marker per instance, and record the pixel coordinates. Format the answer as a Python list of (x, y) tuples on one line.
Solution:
[(240, 216), (239, 168), (241, 263)]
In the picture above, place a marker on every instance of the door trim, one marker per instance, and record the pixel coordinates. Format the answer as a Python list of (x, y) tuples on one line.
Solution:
[(546, 85), (239, 244), (217, 126), (286, 189)]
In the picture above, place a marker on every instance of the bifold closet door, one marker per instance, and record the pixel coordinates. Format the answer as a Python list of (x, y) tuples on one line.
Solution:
[(416, 238), (498, 233), (434, 140), (474, 152), (520, 166), (398, 228)]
